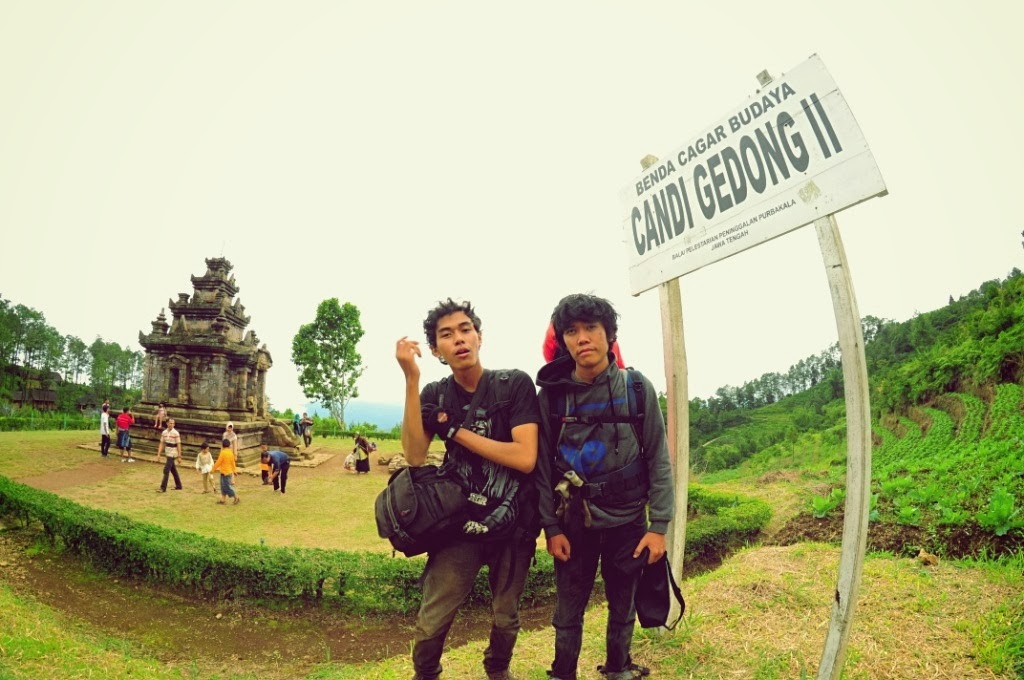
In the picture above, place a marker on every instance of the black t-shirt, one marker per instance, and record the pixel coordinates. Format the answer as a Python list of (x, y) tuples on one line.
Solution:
[(497, 493)]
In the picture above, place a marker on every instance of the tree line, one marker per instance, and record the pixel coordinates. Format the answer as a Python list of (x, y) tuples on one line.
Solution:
[(34, 354), (975, 340)]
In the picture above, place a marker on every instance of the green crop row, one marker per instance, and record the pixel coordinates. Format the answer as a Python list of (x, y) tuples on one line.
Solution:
[(974, 419), (975, 476), (1005, 414)]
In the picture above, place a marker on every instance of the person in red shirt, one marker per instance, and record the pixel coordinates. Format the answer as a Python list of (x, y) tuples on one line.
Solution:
[(124, 439)]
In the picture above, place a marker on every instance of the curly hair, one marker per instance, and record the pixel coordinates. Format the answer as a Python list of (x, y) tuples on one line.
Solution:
[(585, 308), (442, 310)]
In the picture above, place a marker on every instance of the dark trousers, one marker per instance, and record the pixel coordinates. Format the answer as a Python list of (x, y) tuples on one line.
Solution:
[(170, 469), (282, 477), (104, 444), (574, 581), (307, 437), (447, 581)]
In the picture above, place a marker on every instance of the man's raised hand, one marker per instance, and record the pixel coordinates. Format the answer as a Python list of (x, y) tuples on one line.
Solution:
[(406, 351)]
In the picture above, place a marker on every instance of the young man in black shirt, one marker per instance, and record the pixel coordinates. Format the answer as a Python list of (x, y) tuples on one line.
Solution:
[(488, 421)]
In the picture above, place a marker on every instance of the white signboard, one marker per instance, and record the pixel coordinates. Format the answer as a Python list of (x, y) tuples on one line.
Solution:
[(788, 155)]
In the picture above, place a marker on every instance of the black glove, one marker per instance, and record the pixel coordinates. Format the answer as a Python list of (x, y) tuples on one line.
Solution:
[(440, 421)]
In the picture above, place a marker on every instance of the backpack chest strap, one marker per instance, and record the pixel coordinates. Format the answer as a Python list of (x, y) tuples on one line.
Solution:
[(618, 485), (593, 420)]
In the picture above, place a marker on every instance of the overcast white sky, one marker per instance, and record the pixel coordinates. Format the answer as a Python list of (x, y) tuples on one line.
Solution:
[(394, 153)]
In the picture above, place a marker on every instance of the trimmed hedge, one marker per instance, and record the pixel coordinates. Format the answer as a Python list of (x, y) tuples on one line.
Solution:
[(361, 583), (719, 523), (358, 582)]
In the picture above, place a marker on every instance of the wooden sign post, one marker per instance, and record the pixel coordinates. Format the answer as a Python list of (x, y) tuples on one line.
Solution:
[(674, 351), (791, 155), (858, 447), (678, 428)]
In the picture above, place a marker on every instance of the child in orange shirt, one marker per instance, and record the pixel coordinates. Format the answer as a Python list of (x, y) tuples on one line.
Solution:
[(225, 465), (265, 468)]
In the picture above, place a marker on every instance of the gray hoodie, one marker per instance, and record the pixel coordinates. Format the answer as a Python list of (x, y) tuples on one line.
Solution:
[(597, 448)]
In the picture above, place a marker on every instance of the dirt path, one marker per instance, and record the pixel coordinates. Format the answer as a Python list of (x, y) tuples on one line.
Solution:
[(216, 632), (90, 473)]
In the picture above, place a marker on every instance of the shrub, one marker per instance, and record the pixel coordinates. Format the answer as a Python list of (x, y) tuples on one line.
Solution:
[(822, 506), (721, 522), (360, 583), (1001, 515)]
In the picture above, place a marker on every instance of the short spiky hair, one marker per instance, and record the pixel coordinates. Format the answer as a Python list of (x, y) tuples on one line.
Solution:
[(442, 310), (584, 307)]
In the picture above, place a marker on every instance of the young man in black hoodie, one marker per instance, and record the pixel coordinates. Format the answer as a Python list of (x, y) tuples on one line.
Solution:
[(597, 487), (488, 421)]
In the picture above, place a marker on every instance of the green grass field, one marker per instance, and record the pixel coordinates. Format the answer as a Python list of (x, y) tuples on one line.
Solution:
[(763, 614), (324, 508)]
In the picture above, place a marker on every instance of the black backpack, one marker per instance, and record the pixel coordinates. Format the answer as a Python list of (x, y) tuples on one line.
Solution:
[(627, 486), (420, 509)]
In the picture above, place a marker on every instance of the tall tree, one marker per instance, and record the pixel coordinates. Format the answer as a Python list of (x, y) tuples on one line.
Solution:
[(127, 367), (8, 333), (103, 367), (325, 354), (76, 358), (32, 336), (53, 349)]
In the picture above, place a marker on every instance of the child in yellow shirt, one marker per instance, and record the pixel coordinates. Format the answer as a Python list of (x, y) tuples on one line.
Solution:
[(265, 467), (225, 465)]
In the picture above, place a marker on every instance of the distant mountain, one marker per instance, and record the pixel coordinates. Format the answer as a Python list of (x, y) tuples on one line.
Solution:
[(384, 416)]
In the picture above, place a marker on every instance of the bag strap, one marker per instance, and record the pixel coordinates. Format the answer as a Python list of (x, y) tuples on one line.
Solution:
[(481, 390), (677, 593), (635, 402), (478, 396)]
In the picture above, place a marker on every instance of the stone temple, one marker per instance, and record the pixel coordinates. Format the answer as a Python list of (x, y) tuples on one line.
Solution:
[(208, 370)]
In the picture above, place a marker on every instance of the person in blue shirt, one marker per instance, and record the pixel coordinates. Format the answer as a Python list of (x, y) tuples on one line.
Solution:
[(279, 464)]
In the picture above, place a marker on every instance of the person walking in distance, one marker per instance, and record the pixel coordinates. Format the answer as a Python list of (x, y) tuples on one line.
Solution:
[(362, 453), (105, 431), (306, 426), (124, 438), (231, 436), (227, 468), (170, 449), (279, 466)]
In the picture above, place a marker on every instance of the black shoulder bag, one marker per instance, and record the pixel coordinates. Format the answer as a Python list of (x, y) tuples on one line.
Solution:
[(422, 509)]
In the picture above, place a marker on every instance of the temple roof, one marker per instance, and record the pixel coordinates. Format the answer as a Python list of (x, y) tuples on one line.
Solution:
[(210, 318)]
